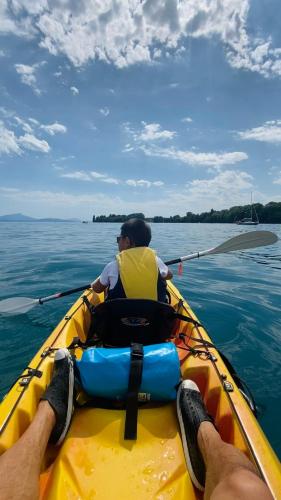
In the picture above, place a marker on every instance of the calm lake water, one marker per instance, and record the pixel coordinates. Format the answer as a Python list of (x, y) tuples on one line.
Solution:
[(236, 296)]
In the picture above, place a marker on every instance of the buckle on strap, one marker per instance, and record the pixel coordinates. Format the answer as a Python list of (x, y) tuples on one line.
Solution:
[(136, 351)]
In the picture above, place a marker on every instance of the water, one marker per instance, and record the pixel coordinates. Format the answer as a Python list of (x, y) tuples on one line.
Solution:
[(236, 296)]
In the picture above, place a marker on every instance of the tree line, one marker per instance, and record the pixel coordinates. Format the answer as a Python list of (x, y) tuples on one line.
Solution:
[(267, 214)]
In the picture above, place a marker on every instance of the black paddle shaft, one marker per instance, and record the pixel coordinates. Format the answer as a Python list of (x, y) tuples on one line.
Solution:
[(174, 261), (64, 294)]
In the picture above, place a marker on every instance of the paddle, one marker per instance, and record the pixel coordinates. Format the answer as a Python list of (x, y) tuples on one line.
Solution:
[(22, 305), (252, 239)]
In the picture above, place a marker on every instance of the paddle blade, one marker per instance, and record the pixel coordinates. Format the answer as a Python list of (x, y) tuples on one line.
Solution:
[(17, 305), (251, 239)]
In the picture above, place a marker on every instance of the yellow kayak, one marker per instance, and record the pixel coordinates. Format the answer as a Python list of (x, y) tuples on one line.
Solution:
[(94, 459)]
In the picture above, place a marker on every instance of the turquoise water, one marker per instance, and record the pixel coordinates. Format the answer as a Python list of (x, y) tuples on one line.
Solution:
[(236, 296)]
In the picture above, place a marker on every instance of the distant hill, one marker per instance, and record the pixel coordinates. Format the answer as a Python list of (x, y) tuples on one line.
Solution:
[(26, 218), (15, 217)]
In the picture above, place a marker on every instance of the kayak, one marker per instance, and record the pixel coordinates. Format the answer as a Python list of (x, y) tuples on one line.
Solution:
[(95, 461)]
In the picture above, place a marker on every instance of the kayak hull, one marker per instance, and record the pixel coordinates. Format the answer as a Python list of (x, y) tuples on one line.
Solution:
[(95, 461)]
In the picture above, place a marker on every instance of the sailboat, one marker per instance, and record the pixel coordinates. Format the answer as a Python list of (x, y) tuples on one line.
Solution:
[(249, 221)]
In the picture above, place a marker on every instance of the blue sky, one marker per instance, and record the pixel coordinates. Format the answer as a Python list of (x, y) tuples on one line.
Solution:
[(159, 106)]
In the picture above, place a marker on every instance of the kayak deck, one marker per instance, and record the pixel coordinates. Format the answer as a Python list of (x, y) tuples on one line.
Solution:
[(94, 460)]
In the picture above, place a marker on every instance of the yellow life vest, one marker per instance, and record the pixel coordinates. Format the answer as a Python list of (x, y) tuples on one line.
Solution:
[(138, 271)]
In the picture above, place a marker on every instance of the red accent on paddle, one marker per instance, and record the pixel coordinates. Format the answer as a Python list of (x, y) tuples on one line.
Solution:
[(180, 269)]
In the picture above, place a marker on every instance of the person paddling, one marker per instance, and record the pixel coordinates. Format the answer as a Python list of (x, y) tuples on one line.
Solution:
[(137, 272)]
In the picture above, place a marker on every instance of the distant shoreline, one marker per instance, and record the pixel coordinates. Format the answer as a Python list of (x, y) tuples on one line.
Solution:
[(114, 222), (266, 214)]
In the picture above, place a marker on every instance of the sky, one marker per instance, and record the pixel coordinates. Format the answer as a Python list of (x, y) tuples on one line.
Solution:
[(155, 106)]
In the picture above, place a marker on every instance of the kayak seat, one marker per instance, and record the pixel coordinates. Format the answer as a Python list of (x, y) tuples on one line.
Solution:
[(121, 322)]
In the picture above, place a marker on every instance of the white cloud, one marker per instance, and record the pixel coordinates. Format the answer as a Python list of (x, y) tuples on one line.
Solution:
[(128, 148), (2, 53), (90, 176), (6, 112), (51, 129), (57, 199), (9, 190), (129, 32), (149, 132), (196, 159), (80, 176), (187, 119), (9, 24), (97, 175), (28, 75), (110, 180), (54, 128), (102, 177), (29, 141), (104, 111), (278, 179), (35, 122), (153, 132), (224, 190), (8, 141), (144, 183), (74, 90), (93, 127), (25, 126), (269, 132), (226, 184)]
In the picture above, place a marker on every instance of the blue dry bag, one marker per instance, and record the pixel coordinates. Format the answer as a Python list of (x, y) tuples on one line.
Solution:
[(104, 372)]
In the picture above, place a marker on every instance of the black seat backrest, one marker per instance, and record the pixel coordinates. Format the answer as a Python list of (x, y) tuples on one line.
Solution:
[(119, 322)]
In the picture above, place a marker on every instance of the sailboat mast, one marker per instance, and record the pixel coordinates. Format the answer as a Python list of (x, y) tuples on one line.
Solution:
[(251, 205)]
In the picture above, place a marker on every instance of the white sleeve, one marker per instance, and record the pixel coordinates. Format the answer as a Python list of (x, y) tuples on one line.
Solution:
[(163, 269), (109, 275), (104, 276)]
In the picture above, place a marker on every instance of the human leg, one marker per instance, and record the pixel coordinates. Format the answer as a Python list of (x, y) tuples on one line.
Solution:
[(20, 465), (227, 468)]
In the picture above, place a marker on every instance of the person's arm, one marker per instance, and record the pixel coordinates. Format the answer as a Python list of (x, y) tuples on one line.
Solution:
[(97, 286), (169, 275), (102, 282), (165, 272)]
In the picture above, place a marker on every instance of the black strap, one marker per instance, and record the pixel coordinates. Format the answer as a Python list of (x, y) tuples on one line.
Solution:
[(135, 379), (90, 306), (187, 319), (202, 341)]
